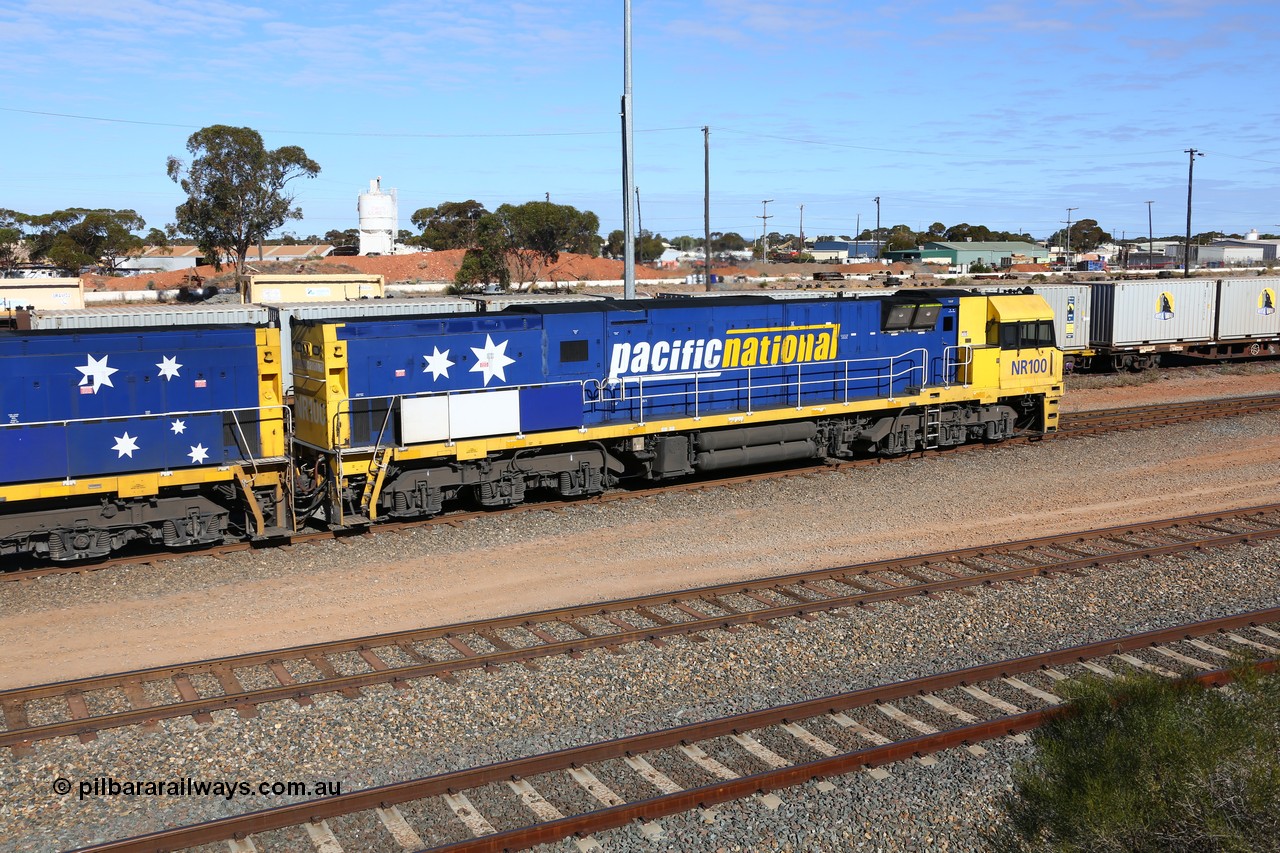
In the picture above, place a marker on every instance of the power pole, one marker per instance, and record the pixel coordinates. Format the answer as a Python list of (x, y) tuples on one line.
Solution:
[(1069, 209), (1151, 240), (878, 244), (639, 226), (857, 238), (1192, 154), (764, 231), (802, 247), (706, 199)]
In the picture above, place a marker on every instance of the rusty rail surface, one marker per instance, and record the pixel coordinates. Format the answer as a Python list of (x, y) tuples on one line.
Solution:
[(444, 650), (387, 796)]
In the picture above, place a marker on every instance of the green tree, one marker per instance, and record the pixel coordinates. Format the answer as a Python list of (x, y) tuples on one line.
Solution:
[(346, 237), (729, 241), (1145, 765), (613, 243), (538, 231), (77, 238), (12, 232), (237, 190), (486, 261), (1085, 236), (899, 237), (449, 225)]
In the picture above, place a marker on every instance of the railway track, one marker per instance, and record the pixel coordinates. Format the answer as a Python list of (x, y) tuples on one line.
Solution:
[(86, 706), (538, 799), (1072, 426)]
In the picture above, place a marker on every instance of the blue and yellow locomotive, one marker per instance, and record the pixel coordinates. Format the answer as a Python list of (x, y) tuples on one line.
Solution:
[(180, 436), (400, 418)]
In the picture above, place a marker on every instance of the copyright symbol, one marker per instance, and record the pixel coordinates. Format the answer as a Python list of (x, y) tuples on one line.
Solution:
[(62, 785)]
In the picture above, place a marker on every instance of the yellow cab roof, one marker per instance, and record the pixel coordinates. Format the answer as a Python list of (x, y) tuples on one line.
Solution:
[(1008, 309)]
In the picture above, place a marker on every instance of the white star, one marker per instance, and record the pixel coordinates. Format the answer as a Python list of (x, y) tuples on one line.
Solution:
[(491, 359), (125, 445), (438, 364), (168, 366), (199, 453), (98, 372), (179, 427)]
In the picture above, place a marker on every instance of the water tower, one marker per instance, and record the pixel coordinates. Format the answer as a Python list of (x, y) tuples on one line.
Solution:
[(377, 220)]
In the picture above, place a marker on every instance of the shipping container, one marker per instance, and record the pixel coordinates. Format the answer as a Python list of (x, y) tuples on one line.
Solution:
[(314, 288), (1166, 313), (1247, 308), (42, 294)]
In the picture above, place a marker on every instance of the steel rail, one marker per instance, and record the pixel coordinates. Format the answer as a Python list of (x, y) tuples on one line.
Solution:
[(22, 736), (380, 797)]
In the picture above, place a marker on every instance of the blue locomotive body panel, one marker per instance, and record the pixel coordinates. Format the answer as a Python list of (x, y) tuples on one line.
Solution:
[(600, 364), (116, 402)]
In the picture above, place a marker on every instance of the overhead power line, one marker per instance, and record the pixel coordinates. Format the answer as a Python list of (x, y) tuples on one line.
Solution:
[(357, 133)]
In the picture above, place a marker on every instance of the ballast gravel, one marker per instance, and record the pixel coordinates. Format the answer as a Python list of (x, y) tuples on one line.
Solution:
[(430, 726), (390, 734)]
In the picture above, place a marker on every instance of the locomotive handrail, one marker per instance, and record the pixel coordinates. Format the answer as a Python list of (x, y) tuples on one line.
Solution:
[(753, 388), (950, 367), (242, 441)]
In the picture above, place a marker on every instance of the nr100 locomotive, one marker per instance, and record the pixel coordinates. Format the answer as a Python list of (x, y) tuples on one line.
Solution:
[(180, 437)]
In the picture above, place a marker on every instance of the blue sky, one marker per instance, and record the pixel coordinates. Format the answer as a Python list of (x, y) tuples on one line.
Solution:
[(1000, 114)]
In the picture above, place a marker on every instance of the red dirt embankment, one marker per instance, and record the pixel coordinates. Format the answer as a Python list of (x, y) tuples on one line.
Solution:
[(420, 267)]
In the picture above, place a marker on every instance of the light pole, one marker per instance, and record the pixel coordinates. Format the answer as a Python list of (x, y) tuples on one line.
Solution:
[(628, 161), (877, 201), (706, 200), (1151, 240), (639, 226), (764, 230), (802, 229), (1069, 209), (1192, 154)]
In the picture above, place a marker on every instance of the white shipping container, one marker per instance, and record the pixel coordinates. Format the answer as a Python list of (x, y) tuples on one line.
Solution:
[(1164, 311), (1247, 308)]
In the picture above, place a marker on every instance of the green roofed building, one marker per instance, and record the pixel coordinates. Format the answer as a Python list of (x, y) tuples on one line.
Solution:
[(994, 254)]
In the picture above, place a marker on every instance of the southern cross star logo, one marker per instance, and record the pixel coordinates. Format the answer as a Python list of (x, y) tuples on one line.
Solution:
[(178, 427), (125, 445), (168, 366), (438, 364), (198, 454), (98, 372), (492, 359)]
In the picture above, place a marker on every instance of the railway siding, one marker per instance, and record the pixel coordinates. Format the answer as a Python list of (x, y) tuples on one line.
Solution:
[(431, 726)]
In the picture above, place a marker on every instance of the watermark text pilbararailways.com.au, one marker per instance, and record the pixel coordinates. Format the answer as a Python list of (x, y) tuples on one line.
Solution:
[(228, 789)]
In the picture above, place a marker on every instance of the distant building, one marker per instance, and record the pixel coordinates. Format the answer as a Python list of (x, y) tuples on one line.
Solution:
[(186, 257), (997, 254), (1249, 248), (840, 250)]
